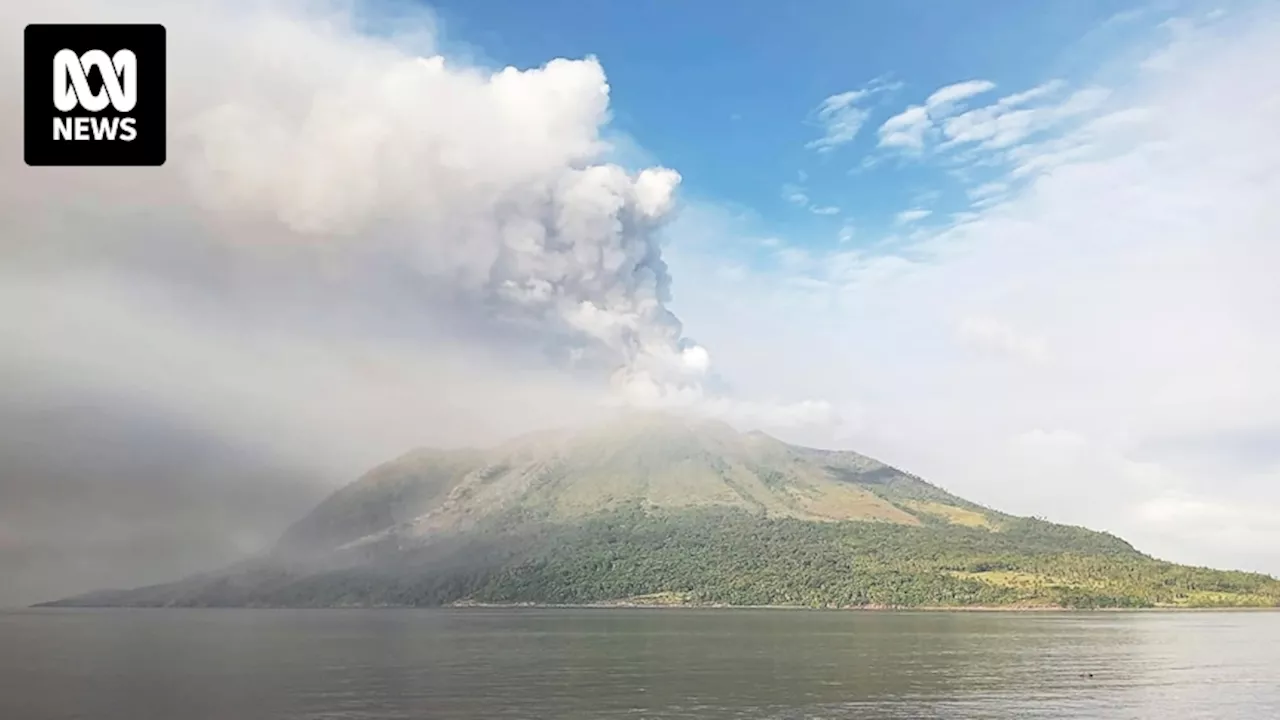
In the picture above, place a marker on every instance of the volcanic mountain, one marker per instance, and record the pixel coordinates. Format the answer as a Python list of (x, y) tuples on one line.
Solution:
[(657, 509)]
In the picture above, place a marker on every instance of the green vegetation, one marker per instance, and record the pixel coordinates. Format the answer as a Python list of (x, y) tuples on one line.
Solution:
[(655, 510), (725, 556), (734, 558)]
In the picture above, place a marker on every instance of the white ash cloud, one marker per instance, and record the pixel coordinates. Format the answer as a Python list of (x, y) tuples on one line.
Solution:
[(297, 139)]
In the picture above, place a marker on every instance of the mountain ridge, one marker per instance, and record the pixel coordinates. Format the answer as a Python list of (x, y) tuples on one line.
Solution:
[(686, 509)]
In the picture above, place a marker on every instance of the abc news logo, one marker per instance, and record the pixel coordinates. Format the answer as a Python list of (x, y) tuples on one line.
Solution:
[(107, 105), (71, 89)]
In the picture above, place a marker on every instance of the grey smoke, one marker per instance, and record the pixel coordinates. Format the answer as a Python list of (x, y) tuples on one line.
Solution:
[(357, 246)]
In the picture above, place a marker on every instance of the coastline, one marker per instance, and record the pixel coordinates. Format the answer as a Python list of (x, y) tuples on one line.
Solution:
[(628, 605)]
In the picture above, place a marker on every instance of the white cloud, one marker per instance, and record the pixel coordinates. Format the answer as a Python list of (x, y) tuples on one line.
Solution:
[(944, 98), (1241, 528), (842, 115), (733, 272), (924, 197), (987, 190), (989, 333), (999, 126), (793, 258), (795, 195), (841, 119), (1124, 17), (1093, 137), (798, 196), (1005, 124), (1019, 99), (906, 129), (1181, 33), (907, 217), (1056, 442), (806, 414), (867, 163)]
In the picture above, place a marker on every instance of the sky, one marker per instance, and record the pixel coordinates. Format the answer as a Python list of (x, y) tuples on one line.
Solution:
[(1023, 250), (723, 86)]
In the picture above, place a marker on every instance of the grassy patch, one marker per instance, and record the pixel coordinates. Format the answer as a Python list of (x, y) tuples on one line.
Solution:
[(951, 513)]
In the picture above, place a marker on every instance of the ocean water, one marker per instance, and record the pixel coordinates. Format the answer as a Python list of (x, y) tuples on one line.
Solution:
[(636, 663)]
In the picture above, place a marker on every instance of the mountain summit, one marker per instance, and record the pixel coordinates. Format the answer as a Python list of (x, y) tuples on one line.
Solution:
[(654, 508), (648, 461)]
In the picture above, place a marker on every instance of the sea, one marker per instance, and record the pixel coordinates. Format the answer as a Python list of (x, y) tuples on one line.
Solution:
[(635, 663)]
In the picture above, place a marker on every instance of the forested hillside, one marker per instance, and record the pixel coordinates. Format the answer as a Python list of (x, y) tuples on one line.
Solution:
[(663, 511)]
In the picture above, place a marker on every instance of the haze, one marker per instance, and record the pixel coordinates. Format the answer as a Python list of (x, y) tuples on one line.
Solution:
[(360, 245)]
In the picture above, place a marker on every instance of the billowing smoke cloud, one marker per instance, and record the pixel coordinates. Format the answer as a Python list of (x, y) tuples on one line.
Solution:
[(357, 245), (486, 185), (297, 134)]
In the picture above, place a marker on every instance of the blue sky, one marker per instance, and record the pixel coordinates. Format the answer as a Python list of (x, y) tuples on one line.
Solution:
[(731, 98)]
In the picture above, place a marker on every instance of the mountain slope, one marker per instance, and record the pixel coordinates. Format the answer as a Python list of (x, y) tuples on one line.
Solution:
[(653, 508), (654, 461)]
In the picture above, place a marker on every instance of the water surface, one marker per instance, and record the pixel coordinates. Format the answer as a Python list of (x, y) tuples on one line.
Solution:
[(634, 663)]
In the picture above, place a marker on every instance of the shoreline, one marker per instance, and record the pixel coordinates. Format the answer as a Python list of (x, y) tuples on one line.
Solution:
[(622, 605)]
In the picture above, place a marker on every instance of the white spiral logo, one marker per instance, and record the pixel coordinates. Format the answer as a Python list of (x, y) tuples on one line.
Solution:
[(119, 80)]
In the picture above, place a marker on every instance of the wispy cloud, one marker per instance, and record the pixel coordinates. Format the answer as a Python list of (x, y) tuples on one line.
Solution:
[(987, 190), (1020, 133), (1090, 137), (906, 217), (1005, 123), (907, 129), (1001, 124), (842, 115), (841, 118), (798, 196), (1021, 98), (795, 195), (945, 97)]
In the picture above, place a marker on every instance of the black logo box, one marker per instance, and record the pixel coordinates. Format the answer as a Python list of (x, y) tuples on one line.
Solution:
[(41, 43)]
